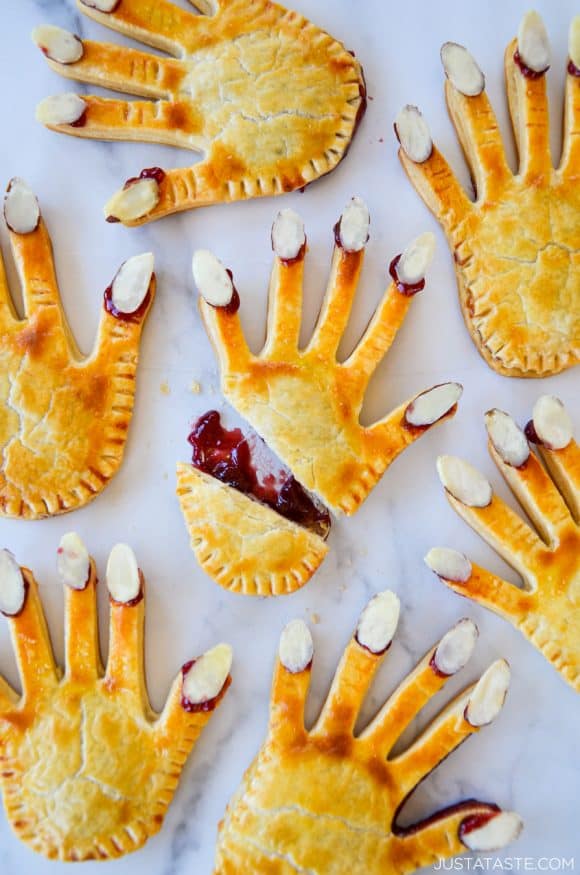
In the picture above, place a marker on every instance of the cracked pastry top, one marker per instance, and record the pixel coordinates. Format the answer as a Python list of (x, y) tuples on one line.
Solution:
[(88, 768), (257, 522), (546, 607), (64, 418), (516, 247), (323, 799), (271, 101)]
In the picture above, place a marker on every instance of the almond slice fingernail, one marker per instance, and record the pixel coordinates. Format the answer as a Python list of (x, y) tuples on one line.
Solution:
[(213, 281), (61, 109), (413, 134), (431, 405), (12, 586), (58, 44), (488, 695), (352, 229), (378, 622), (490, 832), (21, 210), (455, 648), (73, 562), (574, 45), (462, 69), (204, 678), (137, 199), (123, 575), (533, 43), (101, 5), (449, 564), (507, 438), (552, 423), (288, 237), (464, 481), (131, 283), (296, 647), (416, 258)]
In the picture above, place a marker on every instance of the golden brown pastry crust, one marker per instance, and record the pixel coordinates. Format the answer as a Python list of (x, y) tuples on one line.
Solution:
[(63, 419), (325, 801), (517, 247), (270, 100), (88, 768), (243, 545)]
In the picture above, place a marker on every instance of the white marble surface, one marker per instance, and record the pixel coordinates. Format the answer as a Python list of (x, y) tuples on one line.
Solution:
[(528, 760)]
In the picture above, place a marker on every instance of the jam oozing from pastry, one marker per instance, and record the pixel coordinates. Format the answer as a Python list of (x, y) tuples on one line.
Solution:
[(155, 173), (527, 71), (209, 704), (245, 463), (471, 822), (234, 304), (573, 70), (80, 122), (135, 316), (476, 821), (531, 433), (408, 289)]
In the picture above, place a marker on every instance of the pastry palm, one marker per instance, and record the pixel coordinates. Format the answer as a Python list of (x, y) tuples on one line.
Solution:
[(269, 99), (546, 610), (326, 801), (64, 418), (87, 768), (516, 248)]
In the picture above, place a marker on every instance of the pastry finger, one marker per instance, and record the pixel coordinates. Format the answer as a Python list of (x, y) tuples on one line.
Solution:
[(360, 661), (570, 161), (157, 23), (285, 292), (291, 682), (126, 586), (78, 575), (20, 603), (550, 429)]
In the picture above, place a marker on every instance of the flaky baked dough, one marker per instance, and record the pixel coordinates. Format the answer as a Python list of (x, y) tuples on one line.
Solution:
[(325, 801), (87, 768), (516, 248), (63, 418), (270, 100), (243, 545)]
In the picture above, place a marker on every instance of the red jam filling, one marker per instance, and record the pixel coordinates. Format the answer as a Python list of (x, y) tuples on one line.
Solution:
[(229, 456), (81, 121), (136, 315), (234, 304), (155, 173), (527, 71), (573, 70), (531, 433), (408, 289), (476, 821), (471, 822), (435, 668), (132, 602), (209, 704)]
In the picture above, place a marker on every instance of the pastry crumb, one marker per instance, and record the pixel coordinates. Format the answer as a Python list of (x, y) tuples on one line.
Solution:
[(195, 387), (315, 618), (164, 388)]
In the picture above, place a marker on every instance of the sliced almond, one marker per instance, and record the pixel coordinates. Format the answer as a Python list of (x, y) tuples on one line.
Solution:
[(574, 42), (464, 481), (378, 622), (61, 109), (212, 279), (431, 405), (507, 438), (533, 42), (12, 589), (58, 44), (21, 209), (132, 282), (552, 422), (207, 675), (462, 69), (72, 561), (296, 647), (101, 5), (123, 578), (288, 235), (456, 647), (138, 199), (500, 830), (449, 564), (353, 225), (413, 263), (413, 134), (488, 695)]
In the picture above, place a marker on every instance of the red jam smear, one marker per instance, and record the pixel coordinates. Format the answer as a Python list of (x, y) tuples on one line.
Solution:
[(407, 289), (435, 668), (476, 821), (489, 810), (227, 456), (81, 121), (531, 433), (234, 304), (155, 173), (132, 602), (133, 317), (296, 258), (527, 71), (209, 704), (573, 70)]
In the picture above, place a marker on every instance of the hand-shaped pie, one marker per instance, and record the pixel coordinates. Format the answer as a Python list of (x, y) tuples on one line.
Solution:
[(326, 801), (547, 608), (270, 100), (517, 246), (63, 418), (87, 768), (267, 537)]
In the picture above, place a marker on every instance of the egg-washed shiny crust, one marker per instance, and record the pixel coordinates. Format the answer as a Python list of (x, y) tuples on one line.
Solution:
[(326, 801), (516, 248), (270, 100), (87, 768), (64, 418)]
